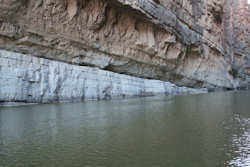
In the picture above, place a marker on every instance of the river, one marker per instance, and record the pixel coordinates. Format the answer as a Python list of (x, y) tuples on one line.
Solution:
[(206, 130)]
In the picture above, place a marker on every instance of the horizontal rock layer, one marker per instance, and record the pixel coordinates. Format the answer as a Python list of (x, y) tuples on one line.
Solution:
[(27, 79), (186, 42)]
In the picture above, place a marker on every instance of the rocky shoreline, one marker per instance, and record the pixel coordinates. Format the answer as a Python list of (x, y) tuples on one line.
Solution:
[(75, 50), (27, 79)]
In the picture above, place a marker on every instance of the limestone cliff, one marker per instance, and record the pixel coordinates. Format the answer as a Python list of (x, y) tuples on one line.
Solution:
[(236, 33), (27, 79), (190, 43)]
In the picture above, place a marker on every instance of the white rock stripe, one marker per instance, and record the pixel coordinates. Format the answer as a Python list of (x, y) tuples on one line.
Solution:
[(24, 78)]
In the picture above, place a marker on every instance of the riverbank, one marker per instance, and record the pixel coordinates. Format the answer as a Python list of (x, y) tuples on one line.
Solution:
[(26, 79)]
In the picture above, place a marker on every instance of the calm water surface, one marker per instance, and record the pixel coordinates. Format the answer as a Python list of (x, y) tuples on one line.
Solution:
[(210, 130)]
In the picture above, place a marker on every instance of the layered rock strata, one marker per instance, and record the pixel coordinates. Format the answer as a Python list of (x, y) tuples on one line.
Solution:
[(198, 44), (27, 79), (236, 41)]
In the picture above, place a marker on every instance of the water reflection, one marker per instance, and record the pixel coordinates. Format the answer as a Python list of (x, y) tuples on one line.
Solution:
[(199, 130), (241, 143)]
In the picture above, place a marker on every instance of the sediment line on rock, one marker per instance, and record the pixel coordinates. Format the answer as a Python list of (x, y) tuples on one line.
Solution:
[(29, 79)]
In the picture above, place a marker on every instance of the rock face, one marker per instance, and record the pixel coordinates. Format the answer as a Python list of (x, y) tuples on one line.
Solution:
[(27, 79), (187, 42), (237, 39)]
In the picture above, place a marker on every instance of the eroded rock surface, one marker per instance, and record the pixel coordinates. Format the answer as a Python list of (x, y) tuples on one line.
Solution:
[(27, 79), (188, 42), (237, 39)]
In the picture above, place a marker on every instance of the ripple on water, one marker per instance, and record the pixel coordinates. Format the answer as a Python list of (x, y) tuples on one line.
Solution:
[(210, 130), (242, 145)]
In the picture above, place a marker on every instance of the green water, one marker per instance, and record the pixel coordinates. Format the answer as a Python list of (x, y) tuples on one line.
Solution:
[(209, 130)]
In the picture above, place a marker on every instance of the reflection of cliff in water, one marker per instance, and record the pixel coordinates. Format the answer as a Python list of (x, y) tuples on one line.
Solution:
[(208, 130)]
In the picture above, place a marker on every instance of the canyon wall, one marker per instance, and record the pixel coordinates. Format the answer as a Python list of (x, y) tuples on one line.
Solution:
[(237, 39), (27, 79), (198, 44)]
